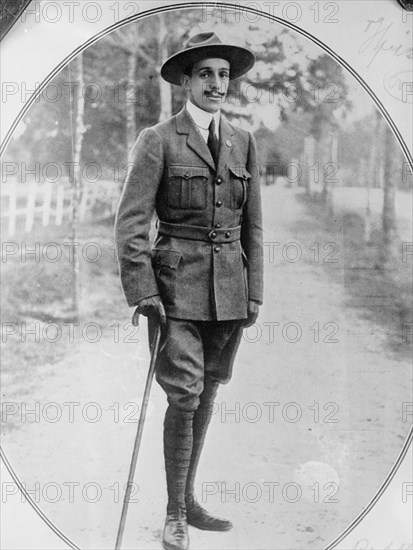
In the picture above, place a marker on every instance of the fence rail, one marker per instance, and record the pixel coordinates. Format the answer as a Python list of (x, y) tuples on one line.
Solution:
[(52, 202)]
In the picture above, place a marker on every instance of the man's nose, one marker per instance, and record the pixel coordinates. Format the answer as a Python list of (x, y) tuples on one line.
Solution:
[(215, 81)]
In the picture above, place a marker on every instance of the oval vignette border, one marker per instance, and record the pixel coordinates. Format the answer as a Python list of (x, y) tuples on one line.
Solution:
[(379, 105)]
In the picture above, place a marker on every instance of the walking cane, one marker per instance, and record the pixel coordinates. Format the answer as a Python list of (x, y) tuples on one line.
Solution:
[(154, 353)]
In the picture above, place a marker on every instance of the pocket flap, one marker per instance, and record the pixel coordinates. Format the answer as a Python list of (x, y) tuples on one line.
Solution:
[(187, 172), (239, 171), (164, 257)]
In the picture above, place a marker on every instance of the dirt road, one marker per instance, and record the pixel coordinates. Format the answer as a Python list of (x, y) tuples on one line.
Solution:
[(301, 438)]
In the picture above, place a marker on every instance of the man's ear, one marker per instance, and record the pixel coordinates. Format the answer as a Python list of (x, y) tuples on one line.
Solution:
[(185, 82)]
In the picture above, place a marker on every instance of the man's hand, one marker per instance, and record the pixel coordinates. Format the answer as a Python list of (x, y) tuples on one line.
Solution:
[(152, 308), (253, 309)]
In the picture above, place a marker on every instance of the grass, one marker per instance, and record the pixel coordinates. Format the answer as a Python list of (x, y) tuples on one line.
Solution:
[(38, 293)]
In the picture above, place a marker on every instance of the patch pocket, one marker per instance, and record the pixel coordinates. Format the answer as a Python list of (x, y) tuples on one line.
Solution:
[(239, 176), (162, 257), (187, 187), (165, 265)]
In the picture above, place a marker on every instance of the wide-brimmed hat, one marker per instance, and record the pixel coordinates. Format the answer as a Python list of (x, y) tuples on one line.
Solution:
[(202, 46)]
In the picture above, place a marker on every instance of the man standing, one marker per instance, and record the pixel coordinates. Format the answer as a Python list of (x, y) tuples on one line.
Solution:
[(202, 279)]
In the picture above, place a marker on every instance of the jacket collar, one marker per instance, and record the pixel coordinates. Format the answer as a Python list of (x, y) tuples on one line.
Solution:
[(184, 125)]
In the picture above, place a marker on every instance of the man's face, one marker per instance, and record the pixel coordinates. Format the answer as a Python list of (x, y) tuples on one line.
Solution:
[(208, 84)]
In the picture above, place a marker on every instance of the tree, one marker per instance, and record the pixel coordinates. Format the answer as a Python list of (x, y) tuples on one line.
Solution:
[(326, 98), (165, 88), (389, 223), (134, 43), (76, 74), (127, 94), (373, 168)]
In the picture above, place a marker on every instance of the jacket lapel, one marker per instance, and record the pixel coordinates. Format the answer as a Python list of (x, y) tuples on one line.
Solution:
[(195, 141)]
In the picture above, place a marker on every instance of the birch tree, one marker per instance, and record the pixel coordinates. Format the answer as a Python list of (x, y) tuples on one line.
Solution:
[(78, 129), (165, 87)]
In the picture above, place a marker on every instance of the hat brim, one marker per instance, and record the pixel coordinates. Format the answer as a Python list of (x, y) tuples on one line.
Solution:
[(240, 59)]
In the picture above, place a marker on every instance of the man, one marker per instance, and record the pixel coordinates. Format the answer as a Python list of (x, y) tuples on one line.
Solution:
[(202, 279)]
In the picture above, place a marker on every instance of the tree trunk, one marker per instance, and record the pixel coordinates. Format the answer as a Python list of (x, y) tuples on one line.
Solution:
[(373, 174), (76, 74), (310, 175), (131, 97), (330, 169), (165, 87), (389, 223)]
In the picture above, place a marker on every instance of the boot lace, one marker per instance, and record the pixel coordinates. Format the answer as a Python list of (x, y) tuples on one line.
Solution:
[(179, 516)]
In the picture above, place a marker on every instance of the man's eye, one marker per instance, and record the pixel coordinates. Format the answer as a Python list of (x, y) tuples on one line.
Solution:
[(203, 75)]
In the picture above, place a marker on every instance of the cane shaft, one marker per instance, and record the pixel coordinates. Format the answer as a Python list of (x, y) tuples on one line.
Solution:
[(138, 438)]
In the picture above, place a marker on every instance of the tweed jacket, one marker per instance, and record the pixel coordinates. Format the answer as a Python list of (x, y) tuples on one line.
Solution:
[(206, 260)]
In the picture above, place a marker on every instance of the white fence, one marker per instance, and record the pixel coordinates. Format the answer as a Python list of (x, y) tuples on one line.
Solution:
[(51, 203)]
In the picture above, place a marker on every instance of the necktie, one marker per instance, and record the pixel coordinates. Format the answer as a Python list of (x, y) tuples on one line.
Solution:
[(213, 142)]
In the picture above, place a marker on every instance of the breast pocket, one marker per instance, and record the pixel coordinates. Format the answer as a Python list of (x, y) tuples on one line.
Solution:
[(187, 187), (238, 177)]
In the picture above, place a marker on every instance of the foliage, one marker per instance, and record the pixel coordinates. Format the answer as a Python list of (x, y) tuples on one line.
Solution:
[(327, 93), (261, 99)]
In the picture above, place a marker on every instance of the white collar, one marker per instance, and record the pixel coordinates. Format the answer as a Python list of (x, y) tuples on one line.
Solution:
[(202, 118)]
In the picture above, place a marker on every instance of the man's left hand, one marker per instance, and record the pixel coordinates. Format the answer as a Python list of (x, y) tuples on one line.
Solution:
[(253, 310)]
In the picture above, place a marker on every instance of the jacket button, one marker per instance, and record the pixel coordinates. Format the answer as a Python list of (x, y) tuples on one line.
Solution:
[(219, 181), (213, 234), (227, 234), (217, 249), (218, 203), (218, 225), (186, 175)]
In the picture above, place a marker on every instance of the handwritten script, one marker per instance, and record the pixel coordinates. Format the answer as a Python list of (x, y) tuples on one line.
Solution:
[(377, 41)]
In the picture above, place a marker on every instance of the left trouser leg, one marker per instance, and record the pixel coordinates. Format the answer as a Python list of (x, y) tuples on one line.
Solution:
[(218, 337), (196, 515)]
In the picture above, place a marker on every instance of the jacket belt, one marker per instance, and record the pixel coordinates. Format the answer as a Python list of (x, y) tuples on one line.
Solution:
[(198, 233)]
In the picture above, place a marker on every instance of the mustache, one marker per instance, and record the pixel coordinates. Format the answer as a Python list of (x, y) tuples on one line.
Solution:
[(215, 92)]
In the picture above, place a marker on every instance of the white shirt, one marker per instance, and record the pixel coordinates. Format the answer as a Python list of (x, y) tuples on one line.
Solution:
[(202, 119)]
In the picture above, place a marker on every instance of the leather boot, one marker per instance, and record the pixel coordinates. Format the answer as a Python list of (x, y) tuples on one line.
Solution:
[(177, 451), (175, 533), (197, 516), (201, 519)]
